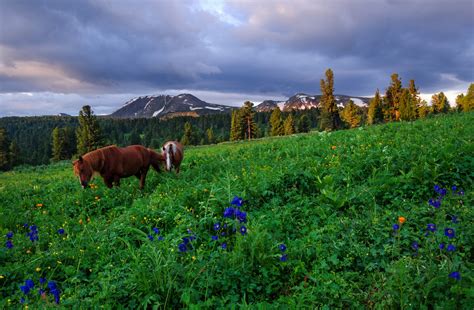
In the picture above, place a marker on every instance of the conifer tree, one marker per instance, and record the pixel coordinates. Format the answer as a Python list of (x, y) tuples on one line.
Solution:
[(392, 99), (423, 109), (304, 125), (375, 113), (88, 133), (440, 103), (466, 102), (57, 144), (407, 106), (330, 119), (69, 142), (351, 114), (459, 102), (236, 132), (247, 115), (135, 138), (210, 135), (4, 150), (187, 136), (276, 123), (289, 125), (14, 154)]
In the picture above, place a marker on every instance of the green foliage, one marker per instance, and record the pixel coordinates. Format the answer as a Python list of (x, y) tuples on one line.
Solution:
[(187, 138), (351, 114), (276, 123), (89, 136), (289, 125), (465, 103), (210, 136), (407, 106), (236, 129), (391, 101), (247, 115), (440, 103), (330, 119), (330, 197), (304, 124), (4, 150)]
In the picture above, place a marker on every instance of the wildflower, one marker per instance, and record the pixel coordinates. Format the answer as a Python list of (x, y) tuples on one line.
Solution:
[(186, 240), (30, 283), (22, 300), (443, 192), (237, 201), (215, 238), (38, 269), (33, 234), (224, 246), (415, 246), (229, 212), (243, 230), (454, 188), (449, 232), (437, 188), (42, 280), (54, 290), (150, 237), (241, 216), (217, 226), (434, 203), (40, 291), (395, 227), (39, 205), (454, 219), (160, 238), (461, 193), (401, 219), (333, 147), (10, 234), (182, 247), (156, 230), (25, 289), (451, 248), (282, 247), (441, 246), (284, 258), (431, 227), (455, 275), (61, 231), (9, 244), (25, 225), (223, 233), (52, 285)]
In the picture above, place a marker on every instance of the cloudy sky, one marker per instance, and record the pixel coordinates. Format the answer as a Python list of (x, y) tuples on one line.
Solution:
[(56, 56)]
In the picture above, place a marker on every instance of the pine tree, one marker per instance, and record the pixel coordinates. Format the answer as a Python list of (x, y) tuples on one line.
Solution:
[(330, 119), (423, 109), (69, 142), (236, 132), (375, 113), (57, 144), (276, 123), (247, 116), (467, 101), (407, 106), (351, 114), (289, 125), (415, 97), (440, 103), (304, 124), (392, 99), (210, 135), (14, 154), (459, 102), (4, 150), (88, 133), (135, 138), (188, 133)]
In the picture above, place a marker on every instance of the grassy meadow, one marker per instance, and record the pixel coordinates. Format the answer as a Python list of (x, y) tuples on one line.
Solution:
[(331, 219)]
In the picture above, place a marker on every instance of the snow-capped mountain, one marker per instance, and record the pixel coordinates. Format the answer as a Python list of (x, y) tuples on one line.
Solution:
[(166, 106), (302, 101)]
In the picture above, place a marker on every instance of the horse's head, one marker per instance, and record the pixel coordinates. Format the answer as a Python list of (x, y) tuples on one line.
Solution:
[(83, 170), (168, 156)]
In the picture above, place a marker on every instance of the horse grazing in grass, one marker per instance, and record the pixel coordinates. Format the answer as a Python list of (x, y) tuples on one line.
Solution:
[(173, 153), (114, 163)]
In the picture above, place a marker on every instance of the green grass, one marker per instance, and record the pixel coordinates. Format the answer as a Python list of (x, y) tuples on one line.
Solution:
[(332, 198)]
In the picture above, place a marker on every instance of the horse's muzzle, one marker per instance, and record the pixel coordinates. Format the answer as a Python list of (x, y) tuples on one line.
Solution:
[(84, 184)]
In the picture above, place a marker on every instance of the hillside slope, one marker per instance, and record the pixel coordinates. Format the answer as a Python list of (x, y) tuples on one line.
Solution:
[(331, 198)]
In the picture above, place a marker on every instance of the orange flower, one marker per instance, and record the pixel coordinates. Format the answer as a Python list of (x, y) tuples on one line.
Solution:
[(401, 219), (39, 205), (333, 147), (80, 222)]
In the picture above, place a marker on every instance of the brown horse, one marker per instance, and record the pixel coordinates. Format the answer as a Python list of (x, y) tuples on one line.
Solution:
[(114, 163), (173, 153)]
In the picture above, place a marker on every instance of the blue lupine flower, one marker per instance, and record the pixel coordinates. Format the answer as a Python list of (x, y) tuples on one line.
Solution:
[(396, 227), (40, 291), (33, 228), (241, 216), (22, 300), (449, 232), (150, 237), (61, 231), (10, 234), (160, 238), (185, 240), (461, 193), (454, 188), (243, 230), (454, 219), (42, 280), (9, 244), (189, 231), (25, 225), (25, 289), (431, 227), (443, 192), (223, 233), (415, 245), (229, 212), (182, 247), (156, 230), (30, 283), (52, 285), (55, 293), (193, 237), (437, 188), (282, 247), (224, 246), (237, 201), (451, 248), (284, 258), (217, 226), (434, 203), (455, 275), (215, 238), (33, 234)]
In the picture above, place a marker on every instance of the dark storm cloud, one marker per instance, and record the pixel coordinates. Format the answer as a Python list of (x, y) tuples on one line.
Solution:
[(264, 47)]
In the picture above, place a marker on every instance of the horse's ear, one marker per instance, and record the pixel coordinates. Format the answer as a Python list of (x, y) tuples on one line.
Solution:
[(81, 159), (163, 148)]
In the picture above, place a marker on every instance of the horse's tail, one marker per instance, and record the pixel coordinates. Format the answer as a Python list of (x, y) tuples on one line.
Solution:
[(155, 160)]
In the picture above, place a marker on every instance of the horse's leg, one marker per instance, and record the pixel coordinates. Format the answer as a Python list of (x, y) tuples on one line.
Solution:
[(143, 177), (117, 180), (177, 168), (108, 181)]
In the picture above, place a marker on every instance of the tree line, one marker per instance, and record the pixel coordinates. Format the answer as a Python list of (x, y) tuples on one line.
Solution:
[(40, 140)]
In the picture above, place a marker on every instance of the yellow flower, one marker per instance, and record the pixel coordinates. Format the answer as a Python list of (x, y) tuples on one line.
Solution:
[(59, 262), (333, 147), (1, 277), (401, 219), (38, 269), (194, 257)]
